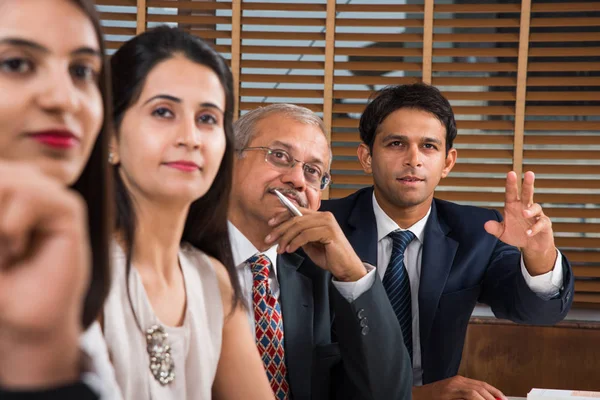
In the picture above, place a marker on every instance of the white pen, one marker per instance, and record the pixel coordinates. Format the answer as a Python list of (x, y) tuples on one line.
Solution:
[(287, 203)]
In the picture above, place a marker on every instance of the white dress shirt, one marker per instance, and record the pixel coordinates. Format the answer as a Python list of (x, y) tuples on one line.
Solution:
[(545, 286), (243, 249)]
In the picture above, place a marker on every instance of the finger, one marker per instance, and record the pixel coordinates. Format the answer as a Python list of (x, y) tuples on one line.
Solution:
[(49, 210), (483, 392), (494, 392), (3, 253), (494, 228), (527, 189), (280, 218), (312, 235), (543, 224), (4, 242), (281, 229), (295, 224), (286, 213), (45, 210), (283, 245), (285, 232), (470, 393), (14, 234), (512, 188), (535, 210), (299, 225)]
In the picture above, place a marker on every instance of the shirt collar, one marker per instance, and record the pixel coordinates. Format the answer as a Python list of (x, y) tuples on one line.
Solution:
[(386, 225), (243, 249)]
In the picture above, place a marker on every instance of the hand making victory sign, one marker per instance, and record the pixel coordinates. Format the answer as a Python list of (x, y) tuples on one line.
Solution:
[(526, 226)]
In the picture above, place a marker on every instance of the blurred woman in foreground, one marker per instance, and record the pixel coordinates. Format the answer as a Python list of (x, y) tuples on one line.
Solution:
[(53, 200)]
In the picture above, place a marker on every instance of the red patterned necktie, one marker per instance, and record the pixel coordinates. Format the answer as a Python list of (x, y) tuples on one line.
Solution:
[(269, 326)]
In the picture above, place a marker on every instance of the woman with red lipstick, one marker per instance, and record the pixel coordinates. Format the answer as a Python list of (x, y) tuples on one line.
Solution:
[(174, 322), (53, 150)]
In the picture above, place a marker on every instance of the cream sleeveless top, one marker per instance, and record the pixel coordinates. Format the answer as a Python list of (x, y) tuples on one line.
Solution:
[(195, 346)]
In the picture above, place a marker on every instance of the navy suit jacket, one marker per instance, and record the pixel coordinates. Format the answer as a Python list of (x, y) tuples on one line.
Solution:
[(461, 264)]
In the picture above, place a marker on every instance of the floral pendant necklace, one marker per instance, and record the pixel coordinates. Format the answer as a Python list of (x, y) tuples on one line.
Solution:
[(162, 365)]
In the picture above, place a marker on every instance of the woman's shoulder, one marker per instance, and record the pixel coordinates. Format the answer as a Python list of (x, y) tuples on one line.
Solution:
[(200, 259), (218, 269), (205, 265)]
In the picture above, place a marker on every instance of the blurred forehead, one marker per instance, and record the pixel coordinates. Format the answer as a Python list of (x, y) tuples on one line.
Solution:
[(58, 25)]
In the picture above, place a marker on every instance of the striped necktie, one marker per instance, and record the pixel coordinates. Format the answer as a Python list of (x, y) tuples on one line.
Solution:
[(397, 285), (268, 326)]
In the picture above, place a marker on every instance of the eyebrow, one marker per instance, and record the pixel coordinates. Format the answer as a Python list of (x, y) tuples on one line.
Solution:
[(432, 140), (178, 100), (164, 97), (41, 49), (87, 51), (426, 139), (289, 148)]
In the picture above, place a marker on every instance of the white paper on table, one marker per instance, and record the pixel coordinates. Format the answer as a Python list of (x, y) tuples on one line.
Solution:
[(551, 394)]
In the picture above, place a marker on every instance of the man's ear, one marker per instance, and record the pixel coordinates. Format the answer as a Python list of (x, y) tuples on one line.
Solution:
[(450, 161), (364, 156)]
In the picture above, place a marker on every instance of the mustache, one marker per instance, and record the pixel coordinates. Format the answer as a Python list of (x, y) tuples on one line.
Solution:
[(293, 194)]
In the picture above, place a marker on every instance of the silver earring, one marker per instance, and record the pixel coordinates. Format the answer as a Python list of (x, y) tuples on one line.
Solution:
[(111, 158)]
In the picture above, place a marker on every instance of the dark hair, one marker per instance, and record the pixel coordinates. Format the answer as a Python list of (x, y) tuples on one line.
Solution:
[(94, 185), (206, 223), (419, 96)]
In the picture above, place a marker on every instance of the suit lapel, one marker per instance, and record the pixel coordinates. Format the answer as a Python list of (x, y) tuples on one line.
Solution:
[(296, 299), (436, 263), (362, 233)]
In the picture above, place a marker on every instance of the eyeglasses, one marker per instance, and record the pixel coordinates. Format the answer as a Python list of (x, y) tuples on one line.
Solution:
[(313, 175)]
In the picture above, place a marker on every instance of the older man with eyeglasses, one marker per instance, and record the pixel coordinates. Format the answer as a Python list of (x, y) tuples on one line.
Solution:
[(324, 326)]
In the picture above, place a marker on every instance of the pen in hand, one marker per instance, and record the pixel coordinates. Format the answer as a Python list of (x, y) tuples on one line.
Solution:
[(287, 203)]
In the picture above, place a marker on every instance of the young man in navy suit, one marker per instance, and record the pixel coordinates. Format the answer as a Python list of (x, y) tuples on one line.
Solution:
[(437, 259)]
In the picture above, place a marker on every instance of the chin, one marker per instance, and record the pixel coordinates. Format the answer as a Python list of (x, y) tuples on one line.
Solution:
[(409, 201), (186, 192), (63, 171)]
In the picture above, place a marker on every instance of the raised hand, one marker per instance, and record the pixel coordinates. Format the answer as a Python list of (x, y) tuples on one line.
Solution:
[(525, 225), (321, 238), (44, 272)]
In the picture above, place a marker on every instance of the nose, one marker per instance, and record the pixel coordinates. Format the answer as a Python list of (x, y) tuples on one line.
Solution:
[(413, 157), (59, 94), (294, 177), (188, 134)]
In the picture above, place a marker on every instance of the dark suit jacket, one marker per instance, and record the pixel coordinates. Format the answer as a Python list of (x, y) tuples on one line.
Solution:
[(461, 265), (336, 349)]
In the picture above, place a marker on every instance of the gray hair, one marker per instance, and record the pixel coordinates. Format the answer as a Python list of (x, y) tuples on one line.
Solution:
[(244, 127)]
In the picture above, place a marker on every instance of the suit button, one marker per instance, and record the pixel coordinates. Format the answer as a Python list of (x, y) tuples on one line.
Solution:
[(363, 322), (361, 313), (365, 331)]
